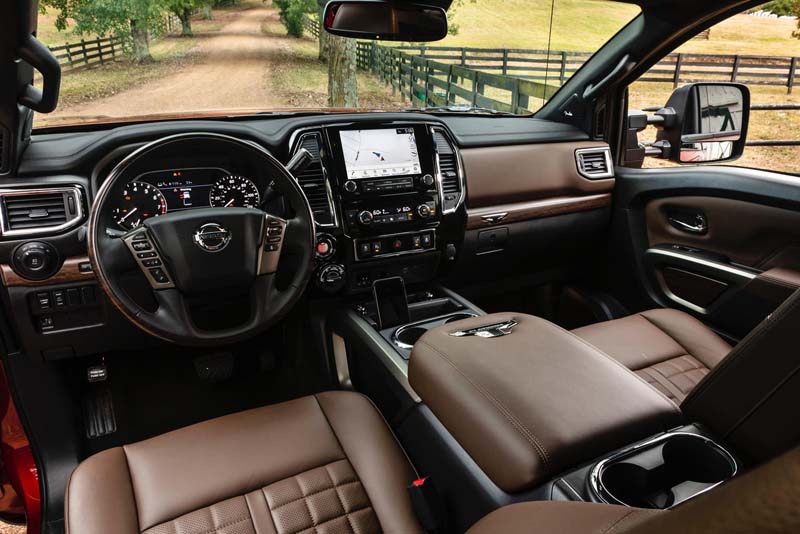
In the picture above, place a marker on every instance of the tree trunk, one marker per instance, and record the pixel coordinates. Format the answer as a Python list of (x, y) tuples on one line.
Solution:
[(141, 43), (185, 15), (342, 81), (208, 13), (323, 37)]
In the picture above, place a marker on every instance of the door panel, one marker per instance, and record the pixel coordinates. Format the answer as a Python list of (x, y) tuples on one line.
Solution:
[(709, 241)]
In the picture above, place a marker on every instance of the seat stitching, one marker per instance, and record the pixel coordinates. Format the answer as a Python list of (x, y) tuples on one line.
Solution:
[(315, 527), (613, 526), (305, 503), (218, 527), (133, 489), (666, 383), (339, 497), (312, 494), (521, 428), (666, 334)]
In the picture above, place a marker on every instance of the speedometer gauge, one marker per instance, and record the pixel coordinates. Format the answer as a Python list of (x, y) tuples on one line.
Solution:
[(139, 201), (231, 191)]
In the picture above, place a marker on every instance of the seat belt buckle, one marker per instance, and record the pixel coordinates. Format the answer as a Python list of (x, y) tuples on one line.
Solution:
[(427, 504)]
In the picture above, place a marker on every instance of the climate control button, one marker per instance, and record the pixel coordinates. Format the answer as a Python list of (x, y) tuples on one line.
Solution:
[(365, 217), (424, 211)]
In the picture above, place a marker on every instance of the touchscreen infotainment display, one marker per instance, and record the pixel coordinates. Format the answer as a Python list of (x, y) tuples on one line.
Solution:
[(379, 153)]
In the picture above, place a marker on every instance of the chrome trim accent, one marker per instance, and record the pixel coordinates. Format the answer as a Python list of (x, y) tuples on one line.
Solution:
[(700, 228), (601, 492), (406, 346), (609, 164), (488, 331), (459, 170), (75, 221), (494, 217), (740, 273), (740, 276), (296, 144), (393, 254), (212, 230)]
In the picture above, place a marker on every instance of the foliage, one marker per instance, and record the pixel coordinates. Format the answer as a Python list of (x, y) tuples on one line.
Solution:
[(292, 13), (106, 17), (780, 7)]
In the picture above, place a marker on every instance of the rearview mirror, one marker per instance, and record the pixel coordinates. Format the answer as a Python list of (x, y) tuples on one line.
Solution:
[(385, 21), (710, 122)]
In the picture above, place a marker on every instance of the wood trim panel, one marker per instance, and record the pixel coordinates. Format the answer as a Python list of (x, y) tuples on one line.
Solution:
[(69, 272), (517, 173), (535, 209)]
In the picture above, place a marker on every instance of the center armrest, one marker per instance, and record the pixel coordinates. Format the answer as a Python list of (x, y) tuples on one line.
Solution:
[(534, 402)]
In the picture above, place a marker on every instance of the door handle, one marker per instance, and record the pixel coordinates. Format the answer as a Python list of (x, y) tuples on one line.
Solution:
[(700, 225)]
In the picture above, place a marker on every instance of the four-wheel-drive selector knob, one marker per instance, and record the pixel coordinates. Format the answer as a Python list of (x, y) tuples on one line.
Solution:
[(35, 260), (365, 217), (331, 278), (424, 211)]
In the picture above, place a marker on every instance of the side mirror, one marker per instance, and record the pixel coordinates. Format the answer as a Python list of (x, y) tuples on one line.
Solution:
[(710, 122), (386, 21)]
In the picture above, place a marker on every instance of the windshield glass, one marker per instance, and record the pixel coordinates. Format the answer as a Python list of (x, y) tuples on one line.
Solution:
[(136, 59)]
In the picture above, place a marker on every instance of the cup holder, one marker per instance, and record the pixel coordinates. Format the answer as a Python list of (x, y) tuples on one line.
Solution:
[(409, 336), (406, 336), (662, 473)]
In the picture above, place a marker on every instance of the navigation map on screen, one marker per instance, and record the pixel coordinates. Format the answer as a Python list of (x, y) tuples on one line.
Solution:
[(379, 153)]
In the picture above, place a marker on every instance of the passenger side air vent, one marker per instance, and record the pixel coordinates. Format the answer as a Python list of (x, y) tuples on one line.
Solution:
[(452, 188), (594, 163), (29, 212), (313, 180)]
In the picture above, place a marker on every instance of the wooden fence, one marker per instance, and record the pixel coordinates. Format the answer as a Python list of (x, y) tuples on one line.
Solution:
[(87, 53)]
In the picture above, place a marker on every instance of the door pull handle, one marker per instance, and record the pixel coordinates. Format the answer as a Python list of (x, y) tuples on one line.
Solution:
[(701, 226)]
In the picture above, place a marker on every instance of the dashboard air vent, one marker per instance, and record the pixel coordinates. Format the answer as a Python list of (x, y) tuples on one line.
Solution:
[(594, 163), (313, 181), (28, 212), (448, 168)]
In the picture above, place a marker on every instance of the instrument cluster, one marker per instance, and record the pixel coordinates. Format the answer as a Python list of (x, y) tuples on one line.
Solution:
[(157, 193)]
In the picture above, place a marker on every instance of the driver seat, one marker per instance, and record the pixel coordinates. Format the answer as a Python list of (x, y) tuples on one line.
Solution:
[(326, 463)]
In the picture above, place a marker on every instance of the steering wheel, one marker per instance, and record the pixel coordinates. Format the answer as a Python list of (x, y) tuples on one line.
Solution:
[(192, 257)]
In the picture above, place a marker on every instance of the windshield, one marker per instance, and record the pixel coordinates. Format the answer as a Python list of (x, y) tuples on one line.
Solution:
[(128, 60)]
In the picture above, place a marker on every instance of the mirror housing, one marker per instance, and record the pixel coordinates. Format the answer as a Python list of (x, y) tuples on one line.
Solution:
[(710, 123), (385, 21)]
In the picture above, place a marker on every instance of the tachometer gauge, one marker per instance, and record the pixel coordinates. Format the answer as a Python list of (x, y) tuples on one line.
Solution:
[(139, 201), (234, 191)]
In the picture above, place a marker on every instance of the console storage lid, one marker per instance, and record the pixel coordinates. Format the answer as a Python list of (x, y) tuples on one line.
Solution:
[(531, 403)]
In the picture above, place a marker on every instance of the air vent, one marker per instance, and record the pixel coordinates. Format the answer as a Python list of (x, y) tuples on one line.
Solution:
[(314, 183), (594, 163), (452, 188), (28, 212)]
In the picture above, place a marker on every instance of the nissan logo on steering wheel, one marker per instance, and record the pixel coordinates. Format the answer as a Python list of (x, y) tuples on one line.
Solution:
[(212, 237)]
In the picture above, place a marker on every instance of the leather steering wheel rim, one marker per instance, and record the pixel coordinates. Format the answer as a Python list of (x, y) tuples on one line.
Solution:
[(171, 321)]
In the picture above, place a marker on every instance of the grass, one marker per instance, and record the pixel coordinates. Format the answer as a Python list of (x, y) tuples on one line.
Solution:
[(82, 85), (301, 79)]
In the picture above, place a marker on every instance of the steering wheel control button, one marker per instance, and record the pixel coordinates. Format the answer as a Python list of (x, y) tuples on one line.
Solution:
[(159, 276), (273, 240), (274, 230), (143, 255), (141, 245), (152, 263), (212, 237)]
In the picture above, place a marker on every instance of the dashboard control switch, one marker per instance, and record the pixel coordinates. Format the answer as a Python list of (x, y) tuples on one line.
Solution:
[(59, 298), (350, 186), (35, 260), (43, 300), (331, 278), (427, 180), (424, 211), (365, 217)]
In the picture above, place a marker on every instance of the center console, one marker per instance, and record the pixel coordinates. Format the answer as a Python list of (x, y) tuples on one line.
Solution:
[(389, 189)]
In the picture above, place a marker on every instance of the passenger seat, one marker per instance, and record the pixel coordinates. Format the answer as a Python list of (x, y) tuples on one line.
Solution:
[(668, 348)]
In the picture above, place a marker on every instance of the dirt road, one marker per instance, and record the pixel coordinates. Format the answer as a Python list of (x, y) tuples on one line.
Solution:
[(229, 69)]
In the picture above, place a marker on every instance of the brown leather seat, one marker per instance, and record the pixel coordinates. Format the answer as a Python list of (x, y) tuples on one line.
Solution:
[(323, 464), (668, 348), (764, 500)]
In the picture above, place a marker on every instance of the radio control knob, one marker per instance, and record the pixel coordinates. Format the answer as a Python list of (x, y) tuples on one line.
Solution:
[(424, 211), (365, 217), (427, 180), (350, 186)]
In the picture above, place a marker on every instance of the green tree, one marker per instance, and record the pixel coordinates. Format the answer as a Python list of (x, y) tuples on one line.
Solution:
[(134, 21), (342, 79), (292, 13), (779, 7), (183, 10)]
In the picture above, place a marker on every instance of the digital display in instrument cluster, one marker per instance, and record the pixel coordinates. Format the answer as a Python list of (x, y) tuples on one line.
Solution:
[(157, 193)]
